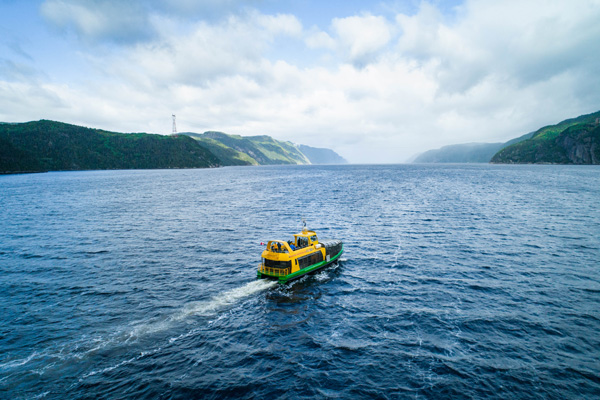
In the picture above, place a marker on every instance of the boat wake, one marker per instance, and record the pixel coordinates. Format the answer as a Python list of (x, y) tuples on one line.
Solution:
[(203, 308), (39, 361), (224, 299)]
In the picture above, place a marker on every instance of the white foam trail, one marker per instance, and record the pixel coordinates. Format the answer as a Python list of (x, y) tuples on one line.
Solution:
[(203, 308), (223, 300), (85, 346), (108, 369), (18, 363)]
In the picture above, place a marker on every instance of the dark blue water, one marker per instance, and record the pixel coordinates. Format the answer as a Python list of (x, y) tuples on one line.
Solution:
[(457, 282)]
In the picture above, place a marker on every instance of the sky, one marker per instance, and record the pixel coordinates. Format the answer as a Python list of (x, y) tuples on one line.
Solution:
[(378, 82)]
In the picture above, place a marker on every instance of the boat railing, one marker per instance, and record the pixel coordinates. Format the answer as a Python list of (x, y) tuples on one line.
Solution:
[(275, 271)]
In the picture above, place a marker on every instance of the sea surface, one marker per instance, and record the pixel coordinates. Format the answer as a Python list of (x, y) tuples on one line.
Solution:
[(457, 281)]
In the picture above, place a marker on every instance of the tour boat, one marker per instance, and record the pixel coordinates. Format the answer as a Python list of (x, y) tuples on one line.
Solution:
[(289, 260)]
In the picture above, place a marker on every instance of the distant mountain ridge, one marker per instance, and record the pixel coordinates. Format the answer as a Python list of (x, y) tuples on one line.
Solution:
[(262, 150), (467, 152), (572, 141), (318, 155), (460, 153), (44, 145)]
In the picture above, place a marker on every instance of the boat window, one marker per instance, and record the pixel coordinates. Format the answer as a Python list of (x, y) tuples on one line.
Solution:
[(310, 259), (313, 238), (277, 264)]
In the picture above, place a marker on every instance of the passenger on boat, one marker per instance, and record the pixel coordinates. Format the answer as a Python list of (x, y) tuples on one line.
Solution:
[(291, 244)]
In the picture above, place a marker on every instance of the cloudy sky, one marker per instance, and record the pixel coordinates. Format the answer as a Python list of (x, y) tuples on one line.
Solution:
[(376, 81)]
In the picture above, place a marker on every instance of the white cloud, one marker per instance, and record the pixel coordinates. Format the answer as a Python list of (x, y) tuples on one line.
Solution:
[(390, 88), (201, 53), (130, 21), (361, 37), (204, 9), (99, 20), (280, 24), (320, 40), (519, 41)]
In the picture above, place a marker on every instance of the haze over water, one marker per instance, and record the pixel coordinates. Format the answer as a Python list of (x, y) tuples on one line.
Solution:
[(460, 281)]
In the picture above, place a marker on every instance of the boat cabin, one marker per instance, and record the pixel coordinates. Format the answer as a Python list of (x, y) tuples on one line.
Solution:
[(278, 246), (301, 240), (305, 239)]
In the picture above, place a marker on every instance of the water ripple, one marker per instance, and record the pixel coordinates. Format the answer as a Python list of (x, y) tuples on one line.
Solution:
[(456, 282)]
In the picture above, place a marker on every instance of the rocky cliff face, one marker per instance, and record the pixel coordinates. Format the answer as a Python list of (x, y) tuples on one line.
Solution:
[(573, 141), (582, 145), (317, 155)]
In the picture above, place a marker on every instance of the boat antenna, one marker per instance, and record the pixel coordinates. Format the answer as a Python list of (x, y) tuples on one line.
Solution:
[(304, 230)]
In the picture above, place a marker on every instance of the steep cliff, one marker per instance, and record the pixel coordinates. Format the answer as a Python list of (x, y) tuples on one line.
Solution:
[(573, 141)]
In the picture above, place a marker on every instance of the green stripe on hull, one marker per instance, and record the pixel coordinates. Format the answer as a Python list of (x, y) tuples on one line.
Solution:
[(304, 271)]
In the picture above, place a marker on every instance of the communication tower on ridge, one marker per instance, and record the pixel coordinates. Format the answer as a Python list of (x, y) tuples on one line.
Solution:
[(174, 126)]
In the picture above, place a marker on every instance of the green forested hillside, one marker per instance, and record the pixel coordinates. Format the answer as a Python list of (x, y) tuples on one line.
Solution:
[(54, 146), (264, 149), (573, 141), (225, 154), (253, 150), (276, 150), (466, 153)]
